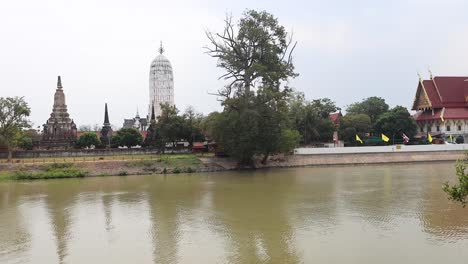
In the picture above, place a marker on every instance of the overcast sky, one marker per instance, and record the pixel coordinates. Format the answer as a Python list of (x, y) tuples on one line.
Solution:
[(347, 50)]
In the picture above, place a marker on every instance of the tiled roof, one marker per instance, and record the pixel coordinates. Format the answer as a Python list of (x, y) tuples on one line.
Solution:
[(449, 113), (335, 117), (446, 91)]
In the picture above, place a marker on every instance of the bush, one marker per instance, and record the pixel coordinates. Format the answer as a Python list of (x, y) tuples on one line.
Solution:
[(25, 143), (176, 170), (52, 174), (123, 173), (87, 140)]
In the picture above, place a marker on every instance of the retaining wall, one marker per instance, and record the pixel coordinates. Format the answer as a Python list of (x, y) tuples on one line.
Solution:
[(382, 149), (374, 158)]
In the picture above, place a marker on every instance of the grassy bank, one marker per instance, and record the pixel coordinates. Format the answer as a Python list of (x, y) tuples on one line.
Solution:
[(157, 164), (49, 171), (103, 158)]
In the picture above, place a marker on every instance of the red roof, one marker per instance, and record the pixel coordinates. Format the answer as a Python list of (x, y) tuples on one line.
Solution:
[(335, 117), (445, 91), (449, 113)]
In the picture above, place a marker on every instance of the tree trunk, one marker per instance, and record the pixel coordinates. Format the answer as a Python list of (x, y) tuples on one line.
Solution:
[(10, 154), (265, 158)]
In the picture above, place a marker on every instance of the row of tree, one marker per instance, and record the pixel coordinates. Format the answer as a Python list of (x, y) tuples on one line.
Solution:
[(373, 116)]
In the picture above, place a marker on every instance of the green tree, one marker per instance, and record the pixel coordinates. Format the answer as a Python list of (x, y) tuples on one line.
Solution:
[(352, 124), (13, 119), (459, 192), (192, 126), (116, 141), (170, 125), (372, 106), (25, 143), (256, 54), (87, 140), (311, 118), (361, 122), (396, 122), (208, 125), (289, 140), (128, 137)]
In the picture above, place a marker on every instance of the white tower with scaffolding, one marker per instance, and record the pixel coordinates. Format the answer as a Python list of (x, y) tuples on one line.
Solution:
[(161, 83)]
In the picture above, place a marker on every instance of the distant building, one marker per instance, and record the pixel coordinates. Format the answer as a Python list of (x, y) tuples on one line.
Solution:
[(59, 130), (138, 123), (161, 83), (442, 106), (336, 118)]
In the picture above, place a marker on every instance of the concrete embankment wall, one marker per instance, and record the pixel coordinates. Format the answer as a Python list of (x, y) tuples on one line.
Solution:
[(373, 158), (375, 155), (382, 149)]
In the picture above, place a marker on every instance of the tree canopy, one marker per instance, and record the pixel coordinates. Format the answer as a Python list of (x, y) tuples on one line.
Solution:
[(13, 119), (87, 140), (311, 118), (128, 137), (396, 122), (372, 106)]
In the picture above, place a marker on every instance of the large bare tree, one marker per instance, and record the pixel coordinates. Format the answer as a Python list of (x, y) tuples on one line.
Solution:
[(254, 51)]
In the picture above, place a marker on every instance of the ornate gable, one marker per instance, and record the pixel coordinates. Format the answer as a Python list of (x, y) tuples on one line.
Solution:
[(421, 100)]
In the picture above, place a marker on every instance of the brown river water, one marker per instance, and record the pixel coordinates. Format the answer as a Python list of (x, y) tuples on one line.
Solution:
[(342, 214)]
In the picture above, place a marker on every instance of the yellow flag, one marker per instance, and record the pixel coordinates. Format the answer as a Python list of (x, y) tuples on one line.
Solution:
[(429, 137), (451, 139), (385, 138), (358, 139)]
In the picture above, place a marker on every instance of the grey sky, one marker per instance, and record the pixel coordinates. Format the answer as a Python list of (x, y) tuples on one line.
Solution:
[(347, 50)]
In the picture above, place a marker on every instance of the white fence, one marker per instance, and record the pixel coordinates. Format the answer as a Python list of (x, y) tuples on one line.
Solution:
[(381, 149)]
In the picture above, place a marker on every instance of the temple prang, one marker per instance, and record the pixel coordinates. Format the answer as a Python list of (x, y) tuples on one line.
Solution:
[(59, 131)]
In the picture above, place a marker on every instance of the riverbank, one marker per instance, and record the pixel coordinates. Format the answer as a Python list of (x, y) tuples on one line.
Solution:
[(164, 164), (190, 163)]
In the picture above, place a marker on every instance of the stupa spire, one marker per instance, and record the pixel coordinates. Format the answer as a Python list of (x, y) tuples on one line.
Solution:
[(161, 49), (59, 83), (106, 117)]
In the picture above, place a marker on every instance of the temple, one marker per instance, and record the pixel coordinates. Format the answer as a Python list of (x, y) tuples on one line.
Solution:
[(59, 130), (137, 122), (161, 83), (442, 106)]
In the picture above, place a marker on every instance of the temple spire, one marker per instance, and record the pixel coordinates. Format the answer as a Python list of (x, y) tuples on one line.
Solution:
[(430, 73), (161, 49), (106, 117), (59, 83)]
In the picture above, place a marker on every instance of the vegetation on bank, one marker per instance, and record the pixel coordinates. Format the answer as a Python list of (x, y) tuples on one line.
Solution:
[(148, 164), (13, 120), (49, 171), (459, 192), (166, 163)]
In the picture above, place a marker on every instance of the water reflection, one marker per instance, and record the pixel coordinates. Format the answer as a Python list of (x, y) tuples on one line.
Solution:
[(298, 215), (252, 206)]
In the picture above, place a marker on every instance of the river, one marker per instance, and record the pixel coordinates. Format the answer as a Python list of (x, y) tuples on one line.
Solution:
[(342, 214)]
